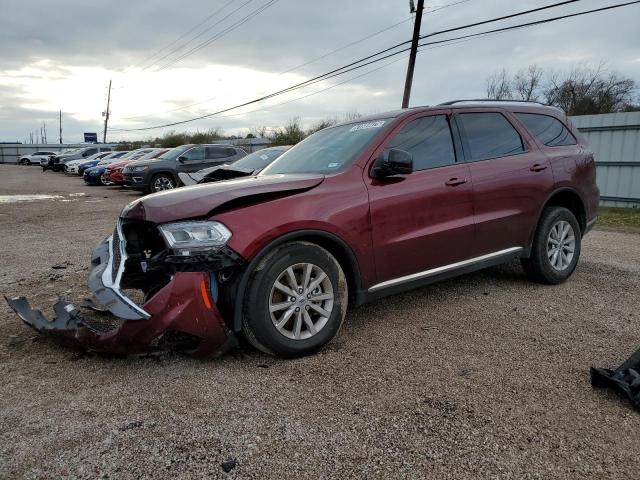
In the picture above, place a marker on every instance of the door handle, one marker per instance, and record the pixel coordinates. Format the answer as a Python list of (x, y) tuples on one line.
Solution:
[(537, 167), (454, 182)]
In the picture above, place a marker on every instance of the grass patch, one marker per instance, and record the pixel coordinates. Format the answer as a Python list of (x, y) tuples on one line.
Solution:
[(619, 217)]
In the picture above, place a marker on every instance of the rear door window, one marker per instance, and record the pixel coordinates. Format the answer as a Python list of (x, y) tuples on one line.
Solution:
[(489, 135), (219, 152), (547, 129), (429, 141)]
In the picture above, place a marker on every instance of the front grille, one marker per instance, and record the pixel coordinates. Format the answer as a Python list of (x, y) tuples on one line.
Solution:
[(117, 255)]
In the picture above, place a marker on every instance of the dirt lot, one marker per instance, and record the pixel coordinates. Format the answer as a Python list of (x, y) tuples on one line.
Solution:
[(485, 376)]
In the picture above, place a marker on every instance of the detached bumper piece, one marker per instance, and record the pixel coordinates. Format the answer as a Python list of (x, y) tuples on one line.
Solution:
[(625, 379), (179, 315)]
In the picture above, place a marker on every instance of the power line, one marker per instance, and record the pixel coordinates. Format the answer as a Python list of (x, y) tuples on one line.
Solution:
[(186, 107), (209, 17), (354, 65), (526, 12), (339, 49), (221, 34), (180, 47)]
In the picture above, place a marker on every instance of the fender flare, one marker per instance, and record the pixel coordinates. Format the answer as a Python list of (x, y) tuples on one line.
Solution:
[(554, 192), (297, 234)]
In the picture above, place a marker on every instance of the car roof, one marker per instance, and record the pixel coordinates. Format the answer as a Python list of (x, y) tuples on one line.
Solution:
[(510, 105)]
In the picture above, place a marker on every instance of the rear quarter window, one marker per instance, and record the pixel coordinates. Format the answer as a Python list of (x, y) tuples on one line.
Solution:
[(549, 130), (489, 135)]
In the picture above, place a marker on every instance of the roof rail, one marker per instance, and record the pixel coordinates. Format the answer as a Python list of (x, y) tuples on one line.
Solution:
[(453, 102)]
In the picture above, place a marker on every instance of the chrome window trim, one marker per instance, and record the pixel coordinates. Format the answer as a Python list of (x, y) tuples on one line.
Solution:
[(445, 268)]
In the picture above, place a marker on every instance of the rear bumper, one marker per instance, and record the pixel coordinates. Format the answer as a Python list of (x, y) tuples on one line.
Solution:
[(180, 315)]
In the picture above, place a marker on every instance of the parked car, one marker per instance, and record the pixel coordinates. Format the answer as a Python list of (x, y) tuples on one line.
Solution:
[(106, 176), (114, 172), (35, 158), (56, 163), (93, 172), (162, 173), (72, 165), (252, 164), (352, 213)]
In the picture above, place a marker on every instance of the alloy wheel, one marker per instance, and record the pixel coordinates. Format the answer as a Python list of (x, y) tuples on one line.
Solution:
[(301, 301), (561, 245), (162, 183)]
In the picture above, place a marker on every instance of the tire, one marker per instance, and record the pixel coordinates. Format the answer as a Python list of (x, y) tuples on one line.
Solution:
[(290, 340), (543, 266), (25, 161), (166, 179)]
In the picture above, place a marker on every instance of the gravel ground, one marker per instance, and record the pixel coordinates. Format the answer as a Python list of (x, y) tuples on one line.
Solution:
[(485, 376)]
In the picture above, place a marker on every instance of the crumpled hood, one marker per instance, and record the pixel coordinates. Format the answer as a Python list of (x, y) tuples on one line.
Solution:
[(199, 200)]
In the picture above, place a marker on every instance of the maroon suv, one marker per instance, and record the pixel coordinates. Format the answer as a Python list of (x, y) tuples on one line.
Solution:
[(353, 213)]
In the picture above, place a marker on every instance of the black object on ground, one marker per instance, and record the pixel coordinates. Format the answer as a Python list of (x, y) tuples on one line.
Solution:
[(625, 379)]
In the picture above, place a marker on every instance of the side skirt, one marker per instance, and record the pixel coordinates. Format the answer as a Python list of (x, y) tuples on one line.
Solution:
[(438, 274)]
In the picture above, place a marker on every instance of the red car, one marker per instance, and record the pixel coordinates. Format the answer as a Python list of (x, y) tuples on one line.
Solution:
[(113, 174), (353, 213)]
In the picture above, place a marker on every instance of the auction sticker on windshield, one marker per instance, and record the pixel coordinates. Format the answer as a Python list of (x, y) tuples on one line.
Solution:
[(364, 126)]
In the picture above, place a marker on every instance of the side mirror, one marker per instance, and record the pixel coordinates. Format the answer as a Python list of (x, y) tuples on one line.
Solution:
[(182, 159), (393, 161)]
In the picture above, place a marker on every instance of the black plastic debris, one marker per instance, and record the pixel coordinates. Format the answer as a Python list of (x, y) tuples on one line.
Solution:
[(229, 465), (625, 379), (130, 426)]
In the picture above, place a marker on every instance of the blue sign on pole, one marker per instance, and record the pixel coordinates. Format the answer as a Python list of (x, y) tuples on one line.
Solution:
[(91, 137)]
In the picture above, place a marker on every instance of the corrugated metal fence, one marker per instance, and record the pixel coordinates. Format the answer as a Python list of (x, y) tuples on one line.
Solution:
[(615, 141)]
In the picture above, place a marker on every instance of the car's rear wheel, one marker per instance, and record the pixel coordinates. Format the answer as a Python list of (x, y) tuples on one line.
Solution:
[(296, 300), (556, 247), (25, 161), (160, 182)]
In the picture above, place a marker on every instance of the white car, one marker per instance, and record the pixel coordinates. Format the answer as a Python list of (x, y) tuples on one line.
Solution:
[(36, 158), (72, 165)]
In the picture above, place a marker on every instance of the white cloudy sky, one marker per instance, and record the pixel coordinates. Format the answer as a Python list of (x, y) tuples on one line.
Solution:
[(61, 54)]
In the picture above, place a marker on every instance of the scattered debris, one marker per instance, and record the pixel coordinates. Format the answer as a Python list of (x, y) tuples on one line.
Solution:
[(625, 379), (229, 465), (130, 426), (60, 266)]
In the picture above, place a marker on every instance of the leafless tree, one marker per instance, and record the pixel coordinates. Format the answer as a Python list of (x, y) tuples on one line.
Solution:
[(584, 90), (499, 86), (527, 83), (587, 90)]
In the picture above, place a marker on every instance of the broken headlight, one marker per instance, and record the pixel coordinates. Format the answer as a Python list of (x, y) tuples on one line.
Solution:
[(186, 238)]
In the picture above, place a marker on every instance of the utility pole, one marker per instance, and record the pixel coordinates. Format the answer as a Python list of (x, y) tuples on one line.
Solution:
[(60, 125), (106, 115), (414, 50)]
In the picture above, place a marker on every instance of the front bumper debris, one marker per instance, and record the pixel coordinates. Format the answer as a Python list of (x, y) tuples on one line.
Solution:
[(180, 315), (625, 379)]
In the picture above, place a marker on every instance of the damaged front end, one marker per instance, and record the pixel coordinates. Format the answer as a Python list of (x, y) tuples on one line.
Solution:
[(155, 287)]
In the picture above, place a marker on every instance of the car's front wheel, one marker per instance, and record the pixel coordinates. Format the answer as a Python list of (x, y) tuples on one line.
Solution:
[(556, 247), (296, 300), (162, 181)]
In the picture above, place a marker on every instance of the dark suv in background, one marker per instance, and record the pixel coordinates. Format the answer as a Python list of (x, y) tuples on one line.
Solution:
[(161, 173), (350, 214)]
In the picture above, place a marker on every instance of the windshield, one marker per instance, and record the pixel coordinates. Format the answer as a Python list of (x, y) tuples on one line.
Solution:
[(328, 150), (175, 152), (258, 160)]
